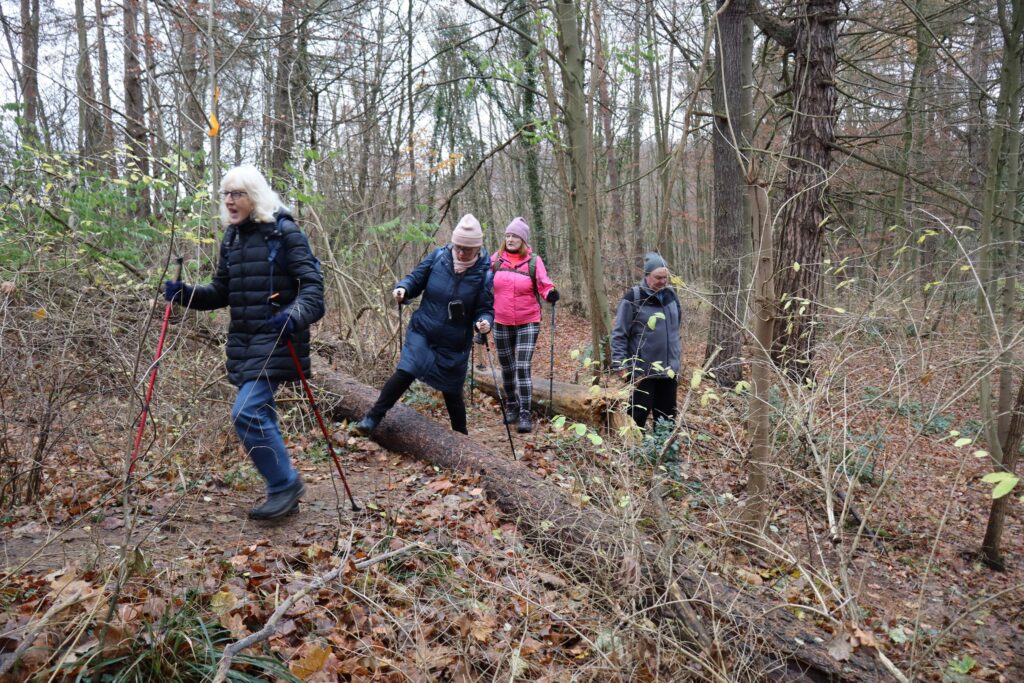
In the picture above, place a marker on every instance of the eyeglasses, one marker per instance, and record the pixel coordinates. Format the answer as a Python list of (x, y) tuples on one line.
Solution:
[(234, 194)]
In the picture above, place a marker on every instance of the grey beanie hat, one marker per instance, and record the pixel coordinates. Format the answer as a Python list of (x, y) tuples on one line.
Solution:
[(653, 261)]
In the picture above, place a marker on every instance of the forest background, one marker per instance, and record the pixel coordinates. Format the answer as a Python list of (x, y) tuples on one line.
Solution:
[(836, 186)]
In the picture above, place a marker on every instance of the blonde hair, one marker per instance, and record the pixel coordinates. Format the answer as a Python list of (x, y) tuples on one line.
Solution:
[(265, 202)]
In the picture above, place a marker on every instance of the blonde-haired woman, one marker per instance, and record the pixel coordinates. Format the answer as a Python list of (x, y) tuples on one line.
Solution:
[(268, 277)]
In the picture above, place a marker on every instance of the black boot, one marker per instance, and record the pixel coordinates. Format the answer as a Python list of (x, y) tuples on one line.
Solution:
[(525, 423), (281, 503), (511, 412), (366, 426)]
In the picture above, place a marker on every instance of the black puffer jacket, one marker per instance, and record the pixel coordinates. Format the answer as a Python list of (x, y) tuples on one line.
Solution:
[(245, 281)]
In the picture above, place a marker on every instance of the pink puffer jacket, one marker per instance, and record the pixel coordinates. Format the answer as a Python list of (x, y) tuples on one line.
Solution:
[(514, 300)]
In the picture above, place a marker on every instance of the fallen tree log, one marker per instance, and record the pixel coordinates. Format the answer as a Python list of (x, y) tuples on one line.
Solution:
[(751, 640), (598, 406)]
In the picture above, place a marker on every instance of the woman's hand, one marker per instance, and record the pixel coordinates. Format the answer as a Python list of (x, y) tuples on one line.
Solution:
[(482, 326), (399, 294)]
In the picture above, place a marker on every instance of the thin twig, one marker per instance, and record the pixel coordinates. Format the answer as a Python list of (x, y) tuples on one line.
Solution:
[(270, 628)]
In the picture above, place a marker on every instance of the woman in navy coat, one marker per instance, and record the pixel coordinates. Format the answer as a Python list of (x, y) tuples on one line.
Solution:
[(458, 297)]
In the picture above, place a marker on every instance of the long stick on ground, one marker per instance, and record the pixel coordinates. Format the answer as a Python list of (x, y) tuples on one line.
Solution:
[(270, 628)]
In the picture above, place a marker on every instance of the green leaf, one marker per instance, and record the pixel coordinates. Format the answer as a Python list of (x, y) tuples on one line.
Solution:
[(1004, 487), (796, 267), (898, 635), (653, 320), (961, 442), (695, 379), (580, 428), (595, 438), (558, 421)]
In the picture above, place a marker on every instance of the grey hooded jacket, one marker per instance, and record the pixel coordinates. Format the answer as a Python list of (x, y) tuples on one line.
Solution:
[(642, 338)]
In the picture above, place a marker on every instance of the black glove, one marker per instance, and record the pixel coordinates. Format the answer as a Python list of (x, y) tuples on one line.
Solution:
[(281, 324), (553, 297), (173, 290)]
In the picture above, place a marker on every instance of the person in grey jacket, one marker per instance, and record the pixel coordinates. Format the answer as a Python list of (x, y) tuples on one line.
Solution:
[(645, 342)]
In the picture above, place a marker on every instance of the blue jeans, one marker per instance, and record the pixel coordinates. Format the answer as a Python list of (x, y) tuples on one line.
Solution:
[(255, 418)]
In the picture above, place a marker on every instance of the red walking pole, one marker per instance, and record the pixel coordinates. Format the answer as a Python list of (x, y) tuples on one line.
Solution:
[(323, 427), (152, 379)]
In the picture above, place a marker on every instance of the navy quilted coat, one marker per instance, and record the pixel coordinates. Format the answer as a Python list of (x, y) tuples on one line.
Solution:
[(436, 349)]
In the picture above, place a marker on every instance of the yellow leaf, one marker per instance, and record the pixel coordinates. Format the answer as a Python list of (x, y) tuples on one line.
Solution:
[(39, 314), (796, 267), (310, 663), (695, 380), (214, 126), (961, 442), (223, 602), (964, 269)]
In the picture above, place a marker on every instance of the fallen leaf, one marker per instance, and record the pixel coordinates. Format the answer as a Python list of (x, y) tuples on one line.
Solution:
[(223, 601), (308, 664), (839, 647)]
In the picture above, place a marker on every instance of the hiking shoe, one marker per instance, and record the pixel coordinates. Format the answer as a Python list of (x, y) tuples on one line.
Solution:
[(281, 503), (525, 423), (366, 426), (511, 413)]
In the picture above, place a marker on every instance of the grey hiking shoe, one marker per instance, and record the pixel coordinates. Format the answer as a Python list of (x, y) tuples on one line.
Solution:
[(281, 503)]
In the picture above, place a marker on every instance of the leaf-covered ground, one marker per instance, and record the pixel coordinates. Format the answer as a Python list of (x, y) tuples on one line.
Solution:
[(458, 597)]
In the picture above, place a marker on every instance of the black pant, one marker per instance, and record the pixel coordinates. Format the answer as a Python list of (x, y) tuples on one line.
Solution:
[(400, 382), (653, 393)]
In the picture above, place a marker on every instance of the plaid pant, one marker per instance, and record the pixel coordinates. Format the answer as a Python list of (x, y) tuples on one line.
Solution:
[(515, 353)]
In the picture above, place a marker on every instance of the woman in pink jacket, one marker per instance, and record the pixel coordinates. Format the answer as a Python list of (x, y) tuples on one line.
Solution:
[(520, 282)]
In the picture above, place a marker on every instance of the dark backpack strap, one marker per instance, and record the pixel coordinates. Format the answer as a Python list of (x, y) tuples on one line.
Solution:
[(531, 272)]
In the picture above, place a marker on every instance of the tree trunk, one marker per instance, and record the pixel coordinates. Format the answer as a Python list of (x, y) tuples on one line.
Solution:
[(137, 163), (90, 127), (531, 150), (762, 316), (731, 102), (581, 207), (991, 545), (798, 249), (604, 550), (616, 218), (107, 113), (992, 271), (30, 68), (193, 120), (579, 403), (281, 127)]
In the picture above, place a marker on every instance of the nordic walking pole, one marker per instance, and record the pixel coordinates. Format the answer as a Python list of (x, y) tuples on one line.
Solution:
[(472, 371), (551, 381), (152, 379), (323, 427), (501, 399)]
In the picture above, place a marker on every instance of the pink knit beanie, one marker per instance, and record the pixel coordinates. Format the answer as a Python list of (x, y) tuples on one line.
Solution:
[(519, 228), (468, 233)]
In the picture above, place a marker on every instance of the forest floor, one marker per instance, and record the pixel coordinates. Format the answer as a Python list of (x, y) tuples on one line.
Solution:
[(437, 585)]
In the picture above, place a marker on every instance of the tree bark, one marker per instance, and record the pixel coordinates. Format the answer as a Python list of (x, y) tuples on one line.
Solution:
[(581, 205), (137, 162), (30, 68), (90, 128), (730, 143), (107, 113), (602, 407), (281, 134), (991, 546), (762, 317), (602, 550), (798, 249)]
